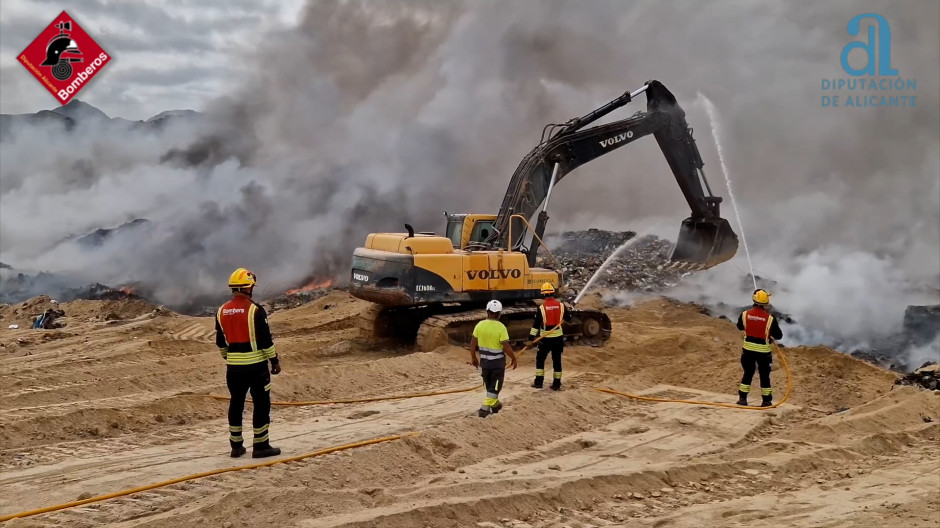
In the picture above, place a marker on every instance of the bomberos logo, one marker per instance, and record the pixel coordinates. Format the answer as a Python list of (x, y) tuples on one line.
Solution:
[(63, 58)]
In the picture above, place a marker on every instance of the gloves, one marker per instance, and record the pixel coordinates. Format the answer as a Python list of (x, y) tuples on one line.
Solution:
[(275, 366)]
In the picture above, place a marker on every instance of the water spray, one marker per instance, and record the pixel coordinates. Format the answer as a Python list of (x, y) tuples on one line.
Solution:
[(605, 264), (710, 108)]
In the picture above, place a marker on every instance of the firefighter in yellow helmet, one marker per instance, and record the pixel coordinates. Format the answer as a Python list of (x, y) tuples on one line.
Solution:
[(244, 339), (759, 328), (547, 325)]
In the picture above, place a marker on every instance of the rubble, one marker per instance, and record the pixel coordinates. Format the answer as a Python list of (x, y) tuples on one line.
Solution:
[(640, 267), (293, 300), (920, 328), (100, 292), (927, 377)]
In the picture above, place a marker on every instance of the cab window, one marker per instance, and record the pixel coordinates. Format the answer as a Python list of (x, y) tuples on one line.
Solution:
[(454, 230), (481, 231)]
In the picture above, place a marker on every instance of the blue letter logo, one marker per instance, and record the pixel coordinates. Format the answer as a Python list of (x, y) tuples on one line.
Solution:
[(884, 47)]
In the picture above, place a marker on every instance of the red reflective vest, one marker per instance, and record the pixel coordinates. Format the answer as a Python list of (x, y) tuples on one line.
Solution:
[(757, 323), (242, 332), (235, 321), (552, 312)]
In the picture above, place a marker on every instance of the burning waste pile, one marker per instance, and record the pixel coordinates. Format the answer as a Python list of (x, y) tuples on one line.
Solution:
[(640, 267), (100, 292), (311, 291)]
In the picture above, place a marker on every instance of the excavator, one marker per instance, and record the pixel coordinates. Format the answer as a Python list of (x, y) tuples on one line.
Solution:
[(431, 288)]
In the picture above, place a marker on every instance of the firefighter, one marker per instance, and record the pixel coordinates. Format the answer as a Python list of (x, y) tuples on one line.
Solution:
[(547, 318), (244, 338), (491, 338), (759, 328)]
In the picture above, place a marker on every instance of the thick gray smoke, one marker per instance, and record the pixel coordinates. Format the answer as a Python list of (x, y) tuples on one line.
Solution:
[(369, 115)]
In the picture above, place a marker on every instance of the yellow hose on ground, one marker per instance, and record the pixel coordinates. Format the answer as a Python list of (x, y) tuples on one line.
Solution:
[(358, 400), (786, 396), (203, 474)]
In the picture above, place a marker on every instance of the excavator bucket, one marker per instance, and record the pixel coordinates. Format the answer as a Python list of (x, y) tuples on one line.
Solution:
[(703, 243)]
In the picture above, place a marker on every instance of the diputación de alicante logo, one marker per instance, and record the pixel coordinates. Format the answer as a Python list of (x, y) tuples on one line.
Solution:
[(64, 58)]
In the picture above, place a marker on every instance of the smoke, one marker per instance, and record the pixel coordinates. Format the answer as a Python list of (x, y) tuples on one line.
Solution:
[(369, 115)]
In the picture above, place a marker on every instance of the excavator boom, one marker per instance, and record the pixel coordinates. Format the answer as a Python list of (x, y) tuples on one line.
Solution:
[(705, 239)]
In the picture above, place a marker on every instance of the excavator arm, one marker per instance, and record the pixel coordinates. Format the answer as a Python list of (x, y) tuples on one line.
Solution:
[(705, 239)]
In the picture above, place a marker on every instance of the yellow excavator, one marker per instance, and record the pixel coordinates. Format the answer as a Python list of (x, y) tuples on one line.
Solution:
[(431, 288)]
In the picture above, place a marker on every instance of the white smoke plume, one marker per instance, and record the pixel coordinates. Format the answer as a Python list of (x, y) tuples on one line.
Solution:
[(369, 115)]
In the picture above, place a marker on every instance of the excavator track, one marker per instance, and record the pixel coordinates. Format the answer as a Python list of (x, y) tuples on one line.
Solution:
[(429, 328), (587, 327)]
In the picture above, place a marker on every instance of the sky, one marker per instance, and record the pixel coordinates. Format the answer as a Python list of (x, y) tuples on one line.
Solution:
[(331, 119), (167, 55)]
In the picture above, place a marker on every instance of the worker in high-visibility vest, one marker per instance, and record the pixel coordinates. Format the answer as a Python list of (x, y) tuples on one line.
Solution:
[(491, 341), (547, 326), (759, 328), (244, 339)]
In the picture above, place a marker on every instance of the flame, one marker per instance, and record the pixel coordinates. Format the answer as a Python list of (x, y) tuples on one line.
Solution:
[(312, 285), (127, 290)]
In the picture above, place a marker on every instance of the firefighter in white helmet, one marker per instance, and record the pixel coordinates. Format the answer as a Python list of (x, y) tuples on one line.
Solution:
[(491, 339)]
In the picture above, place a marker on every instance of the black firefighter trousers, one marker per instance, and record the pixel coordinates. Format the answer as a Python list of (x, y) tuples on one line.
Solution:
[(760, 361), (549, 345), (241, 380)]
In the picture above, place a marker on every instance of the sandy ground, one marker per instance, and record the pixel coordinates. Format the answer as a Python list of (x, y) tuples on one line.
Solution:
[(117, 399)]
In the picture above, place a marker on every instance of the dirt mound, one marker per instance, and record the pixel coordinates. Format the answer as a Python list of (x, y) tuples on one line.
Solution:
[(23, 314), (106, 407), (107, 310)]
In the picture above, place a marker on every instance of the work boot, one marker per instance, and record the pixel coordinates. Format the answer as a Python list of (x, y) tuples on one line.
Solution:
[(496, 408), (742, 399), (556, 384), (766, 401), (537, 384), (483, 412), (238, 451), (264, 450)]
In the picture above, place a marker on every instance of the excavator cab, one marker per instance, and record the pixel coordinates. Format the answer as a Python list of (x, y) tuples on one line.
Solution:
[(465, 230), (703, 243)]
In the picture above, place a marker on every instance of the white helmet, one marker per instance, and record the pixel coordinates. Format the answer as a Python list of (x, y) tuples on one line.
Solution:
[(494, 306)]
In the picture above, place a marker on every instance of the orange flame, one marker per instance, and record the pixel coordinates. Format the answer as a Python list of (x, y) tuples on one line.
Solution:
[(127, 290), (312, 285)]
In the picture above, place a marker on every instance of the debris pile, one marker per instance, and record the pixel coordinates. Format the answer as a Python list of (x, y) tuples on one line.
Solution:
[(639, 267), (927, 377), (294, 299), (25, 314), (920, 329), (100, 292)]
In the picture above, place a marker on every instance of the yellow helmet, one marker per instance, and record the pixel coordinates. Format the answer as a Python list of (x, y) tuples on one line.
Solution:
[(241, 278), (761, 297), (547, 288)]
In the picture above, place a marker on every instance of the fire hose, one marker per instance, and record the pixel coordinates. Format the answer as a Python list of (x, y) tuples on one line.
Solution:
[(194, 476)]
